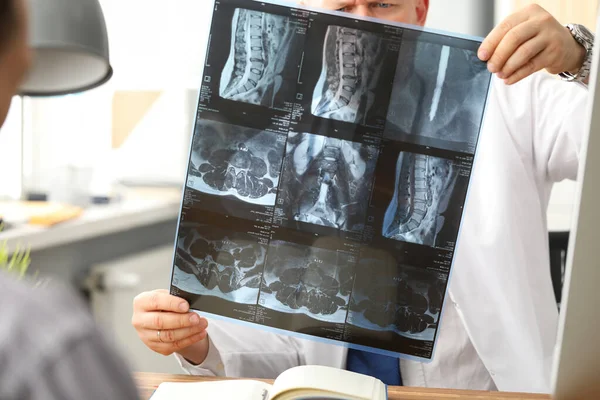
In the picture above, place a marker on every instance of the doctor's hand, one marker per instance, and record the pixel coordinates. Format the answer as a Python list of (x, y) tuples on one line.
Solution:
[(528, 41), (165, 325)]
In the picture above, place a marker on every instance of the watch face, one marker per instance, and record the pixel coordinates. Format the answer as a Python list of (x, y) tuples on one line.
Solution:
[(583, 35), (585, 31)]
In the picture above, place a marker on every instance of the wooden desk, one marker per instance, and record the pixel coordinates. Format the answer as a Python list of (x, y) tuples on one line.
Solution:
[(148, 382)]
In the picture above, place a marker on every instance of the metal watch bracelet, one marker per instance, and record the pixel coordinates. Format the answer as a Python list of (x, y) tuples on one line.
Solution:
[(585, 38)]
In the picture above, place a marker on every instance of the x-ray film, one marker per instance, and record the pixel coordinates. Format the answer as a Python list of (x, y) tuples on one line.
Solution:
[(438, 96), (351, 77), (391, 297), (324, 182), (260, 44), (422, 187), (306, 279), (328, 175)]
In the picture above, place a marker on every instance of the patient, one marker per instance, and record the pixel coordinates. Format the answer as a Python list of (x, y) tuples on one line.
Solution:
[(49, 346)]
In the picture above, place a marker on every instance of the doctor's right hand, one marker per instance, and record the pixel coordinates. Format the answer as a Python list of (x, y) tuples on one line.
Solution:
[(165, 325)]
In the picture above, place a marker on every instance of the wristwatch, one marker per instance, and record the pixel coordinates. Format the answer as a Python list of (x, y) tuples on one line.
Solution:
[(584, 37)]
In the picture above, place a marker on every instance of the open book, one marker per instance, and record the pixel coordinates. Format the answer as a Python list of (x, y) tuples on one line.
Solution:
[(305, 382)]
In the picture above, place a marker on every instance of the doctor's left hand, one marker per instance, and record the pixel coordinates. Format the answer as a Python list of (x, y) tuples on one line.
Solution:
[(165, 324), (528, 41)]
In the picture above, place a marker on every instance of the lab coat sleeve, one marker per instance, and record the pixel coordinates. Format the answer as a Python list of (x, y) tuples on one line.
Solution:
[(212, 365), (559, 111), (240, 351)]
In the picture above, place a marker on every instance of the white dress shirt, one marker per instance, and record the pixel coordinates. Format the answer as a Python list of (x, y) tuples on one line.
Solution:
[(499, 325)]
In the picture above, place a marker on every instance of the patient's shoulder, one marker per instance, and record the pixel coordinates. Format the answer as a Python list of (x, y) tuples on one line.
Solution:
[(38, 326), (53, 305)]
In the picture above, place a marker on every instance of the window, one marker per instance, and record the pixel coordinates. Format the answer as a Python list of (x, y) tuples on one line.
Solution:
[(135, 128)]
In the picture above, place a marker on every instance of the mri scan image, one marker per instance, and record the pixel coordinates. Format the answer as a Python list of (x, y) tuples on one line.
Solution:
[(261, 45), (350, 80), (439, 97), (326, 181), (215, 262), (309, 280), (399, 298), (422, 189), (244, 163)]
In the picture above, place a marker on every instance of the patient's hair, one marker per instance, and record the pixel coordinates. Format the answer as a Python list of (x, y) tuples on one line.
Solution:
[(7, 21)]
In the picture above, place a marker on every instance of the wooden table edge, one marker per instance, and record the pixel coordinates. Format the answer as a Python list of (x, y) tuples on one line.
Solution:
[(147, 382)]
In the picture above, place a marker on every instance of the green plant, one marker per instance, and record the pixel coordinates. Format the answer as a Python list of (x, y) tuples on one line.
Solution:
[(16, 263)]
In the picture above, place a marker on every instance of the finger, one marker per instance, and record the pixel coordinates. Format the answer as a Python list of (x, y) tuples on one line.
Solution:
[(169, 348), (164, 321), (527, 52), (171, 335), (160, 300), (532, 66), (491, 42), (187, 342), (510, 43)]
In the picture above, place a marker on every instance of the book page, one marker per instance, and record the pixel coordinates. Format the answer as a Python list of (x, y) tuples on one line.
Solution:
[(326, 383), (217, 390), (328, 174)]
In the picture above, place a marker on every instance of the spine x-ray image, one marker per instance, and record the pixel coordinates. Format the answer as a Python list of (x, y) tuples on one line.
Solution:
[(328, 174), (228, 160), (326, 180), (439, 96), (353, 61), (261, 44), (393, 297), (309, 280), (422, 188), (217, 262)]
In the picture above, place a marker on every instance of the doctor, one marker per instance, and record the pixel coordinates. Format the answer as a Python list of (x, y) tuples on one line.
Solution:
[(499, 325)]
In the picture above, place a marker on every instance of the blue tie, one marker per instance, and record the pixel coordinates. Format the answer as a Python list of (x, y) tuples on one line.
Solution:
[(384, 368)]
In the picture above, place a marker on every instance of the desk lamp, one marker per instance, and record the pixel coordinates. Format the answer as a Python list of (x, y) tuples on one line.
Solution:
[(70, 48)]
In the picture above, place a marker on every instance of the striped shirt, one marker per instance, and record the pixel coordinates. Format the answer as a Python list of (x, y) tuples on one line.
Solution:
[(50, 348)]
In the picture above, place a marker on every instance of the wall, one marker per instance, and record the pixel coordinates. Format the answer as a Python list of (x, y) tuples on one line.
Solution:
[(567, 11), (157, 54), (468, 17), (162, 56), (10, 153)]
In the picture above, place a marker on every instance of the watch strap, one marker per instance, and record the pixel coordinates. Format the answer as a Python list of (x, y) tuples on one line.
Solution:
[(586, 39)]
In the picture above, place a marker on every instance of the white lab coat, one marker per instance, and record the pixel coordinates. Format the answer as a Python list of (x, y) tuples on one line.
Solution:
[(500, 288)]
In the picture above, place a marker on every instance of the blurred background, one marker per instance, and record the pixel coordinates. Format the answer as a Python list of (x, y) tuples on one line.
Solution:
[(110, 163)]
